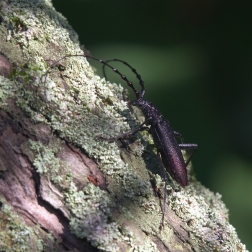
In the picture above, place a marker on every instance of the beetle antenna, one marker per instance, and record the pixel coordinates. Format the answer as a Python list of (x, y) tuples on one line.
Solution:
[(129, 83), (138, 76)]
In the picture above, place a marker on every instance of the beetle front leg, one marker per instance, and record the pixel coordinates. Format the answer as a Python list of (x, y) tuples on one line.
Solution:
[(126, 134), (193, 147)]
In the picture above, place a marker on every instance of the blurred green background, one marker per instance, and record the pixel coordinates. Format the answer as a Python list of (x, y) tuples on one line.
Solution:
[(196, 60)]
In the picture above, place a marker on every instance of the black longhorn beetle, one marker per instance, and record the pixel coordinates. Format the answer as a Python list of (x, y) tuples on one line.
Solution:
[(164, 137)]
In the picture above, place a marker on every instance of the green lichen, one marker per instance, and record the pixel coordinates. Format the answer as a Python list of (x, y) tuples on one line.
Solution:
[(91, 217), (7, 90), (14, 234), (45, 161), (207, 217)]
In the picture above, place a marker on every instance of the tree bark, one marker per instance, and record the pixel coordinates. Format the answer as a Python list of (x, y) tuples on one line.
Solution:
[(61, 187)]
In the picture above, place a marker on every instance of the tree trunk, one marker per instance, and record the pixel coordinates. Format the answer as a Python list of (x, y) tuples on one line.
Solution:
[(61, 187)]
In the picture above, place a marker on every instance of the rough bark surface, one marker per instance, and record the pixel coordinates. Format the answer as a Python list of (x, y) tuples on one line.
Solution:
[(63, 189), (32, 196)]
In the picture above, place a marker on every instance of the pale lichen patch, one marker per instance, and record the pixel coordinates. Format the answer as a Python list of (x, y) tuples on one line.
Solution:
[(196, 204)]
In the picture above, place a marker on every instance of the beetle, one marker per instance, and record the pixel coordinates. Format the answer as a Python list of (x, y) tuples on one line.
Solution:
[(161, 130), (164, 137)]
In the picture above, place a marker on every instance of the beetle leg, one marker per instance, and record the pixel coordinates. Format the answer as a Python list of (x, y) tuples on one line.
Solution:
[(177, 134), (126, 134), (193, 147), (165, 178)]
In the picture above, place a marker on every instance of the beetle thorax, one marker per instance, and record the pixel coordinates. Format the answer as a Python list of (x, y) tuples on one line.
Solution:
[(150, 112)]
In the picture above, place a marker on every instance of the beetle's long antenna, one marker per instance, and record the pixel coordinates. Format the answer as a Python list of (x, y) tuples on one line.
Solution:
[(130, 84), (141, 82)]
